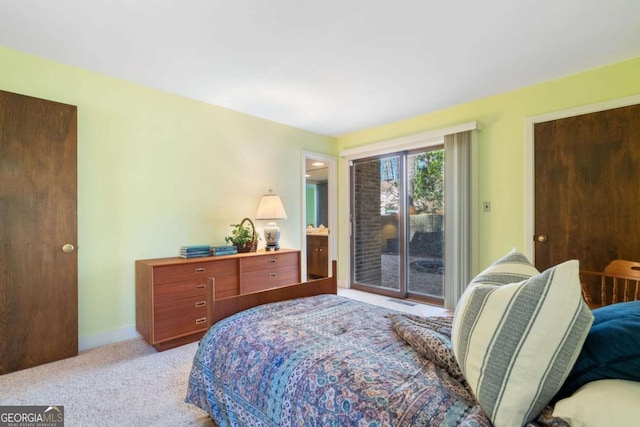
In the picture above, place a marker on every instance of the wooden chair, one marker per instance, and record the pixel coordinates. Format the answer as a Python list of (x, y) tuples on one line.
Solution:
[(620, 282)]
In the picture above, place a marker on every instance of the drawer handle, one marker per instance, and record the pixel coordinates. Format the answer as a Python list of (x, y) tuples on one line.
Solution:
[(272, 275), (201, 287), (201, 304), (200, 270), (272, 260), (201, 320)]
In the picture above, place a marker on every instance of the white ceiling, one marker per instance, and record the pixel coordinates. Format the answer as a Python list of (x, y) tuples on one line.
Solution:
[(330, 66), (316, 171)]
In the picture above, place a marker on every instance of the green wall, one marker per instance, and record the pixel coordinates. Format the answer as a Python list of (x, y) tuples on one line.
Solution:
[(157, 171), (501, 177), (311, 205)]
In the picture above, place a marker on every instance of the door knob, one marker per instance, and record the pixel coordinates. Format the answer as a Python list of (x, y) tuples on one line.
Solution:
[(542, 238), (68, 248)]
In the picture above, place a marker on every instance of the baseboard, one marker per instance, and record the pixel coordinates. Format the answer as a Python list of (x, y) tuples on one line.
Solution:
[(109, 337)]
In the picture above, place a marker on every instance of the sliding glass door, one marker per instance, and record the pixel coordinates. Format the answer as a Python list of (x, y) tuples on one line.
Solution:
[(376, 224), (425, 177), (397, 224)]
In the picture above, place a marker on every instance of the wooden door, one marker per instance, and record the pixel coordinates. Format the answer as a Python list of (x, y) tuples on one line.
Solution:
[(587, 188), (38, 280)]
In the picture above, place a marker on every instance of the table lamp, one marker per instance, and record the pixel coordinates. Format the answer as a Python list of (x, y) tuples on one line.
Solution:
[(271, 208)]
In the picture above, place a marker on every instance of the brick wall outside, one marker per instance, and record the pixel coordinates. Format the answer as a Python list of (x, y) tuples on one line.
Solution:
[(367, 219)]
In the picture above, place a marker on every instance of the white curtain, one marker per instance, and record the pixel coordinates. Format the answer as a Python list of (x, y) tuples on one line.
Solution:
[(457, 252)]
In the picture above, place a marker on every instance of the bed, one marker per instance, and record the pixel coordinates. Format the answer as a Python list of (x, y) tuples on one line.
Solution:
[(326, 360)]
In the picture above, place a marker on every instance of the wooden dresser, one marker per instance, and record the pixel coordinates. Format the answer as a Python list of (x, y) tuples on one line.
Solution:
[(174, 296)]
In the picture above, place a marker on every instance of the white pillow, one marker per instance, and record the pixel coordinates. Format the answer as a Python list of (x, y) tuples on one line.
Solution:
[(516, 343), (612, 403)]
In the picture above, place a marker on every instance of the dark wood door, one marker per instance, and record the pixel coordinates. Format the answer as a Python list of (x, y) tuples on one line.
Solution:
[(587, 188), (38, 280)]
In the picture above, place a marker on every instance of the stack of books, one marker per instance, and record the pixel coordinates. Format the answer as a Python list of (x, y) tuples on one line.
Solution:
[(223, 250), (195, 251)]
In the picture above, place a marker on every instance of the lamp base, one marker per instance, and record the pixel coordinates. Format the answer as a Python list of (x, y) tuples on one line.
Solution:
[(272, 236), (272, 247)]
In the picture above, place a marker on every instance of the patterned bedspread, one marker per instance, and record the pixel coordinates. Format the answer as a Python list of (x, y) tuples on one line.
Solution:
[(326, 361)]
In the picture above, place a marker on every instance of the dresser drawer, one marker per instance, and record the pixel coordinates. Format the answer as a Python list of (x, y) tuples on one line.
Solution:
[(180, 317), (193, 271), (180, 273), (259, 280), (167, 293), (265, 262)]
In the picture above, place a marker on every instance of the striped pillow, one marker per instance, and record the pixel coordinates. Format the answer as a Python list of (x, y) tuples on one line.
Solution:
[(511, 268), (517, 342)]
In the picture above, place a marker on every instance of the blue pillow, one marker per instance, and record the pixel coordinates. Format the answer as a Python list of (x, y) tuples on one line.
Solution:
[(611, 350)]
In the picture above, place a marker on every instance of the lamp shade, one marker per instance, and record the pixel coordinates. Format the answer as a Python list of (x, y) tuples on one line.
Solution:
[(271, 207)]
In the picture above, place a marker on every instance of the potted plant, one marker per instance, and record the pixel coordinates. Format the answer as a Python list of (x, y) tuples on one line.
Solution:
[(243, 236)]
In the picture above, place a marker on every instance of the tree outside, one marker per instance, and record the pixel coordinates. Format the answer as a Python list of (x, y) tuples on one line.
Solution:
[(428, 182)]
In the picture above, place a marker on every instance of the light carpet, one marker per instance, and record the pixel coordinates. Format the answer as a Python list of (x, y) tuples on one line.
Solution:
[(122, 384)]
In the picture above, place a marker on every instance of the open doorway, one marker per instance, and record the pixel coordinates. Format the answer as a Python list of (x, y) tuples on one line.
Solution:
[(319, 211)]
